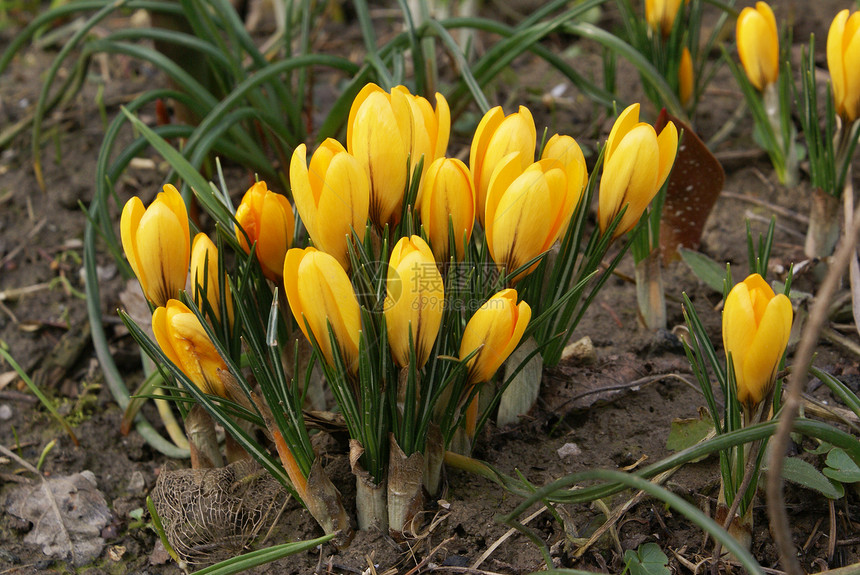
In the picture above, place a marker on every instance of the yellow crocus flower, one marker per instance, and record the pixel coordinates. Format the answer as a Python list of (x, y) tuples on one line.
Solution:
[(495, 331), (756, 326), (157, 243), (449, 196), (204, 277), (497, 136), (319, 293), (685, 77), (414, 301), (528, 209), (184, 341), (384, 131), (332, 196), (758, 45), (843, 59), (636, 163), (661, 15), (267, 218)]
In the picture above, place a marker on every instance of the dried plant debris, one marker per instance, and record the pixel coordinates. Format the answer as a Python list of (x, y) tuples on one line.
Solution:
[(212, 514), (694, 186), (67, 513)]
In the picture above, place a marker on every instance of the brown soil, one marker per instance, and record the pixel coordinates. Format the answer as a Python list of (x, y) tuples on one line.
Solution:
[(40, 241)]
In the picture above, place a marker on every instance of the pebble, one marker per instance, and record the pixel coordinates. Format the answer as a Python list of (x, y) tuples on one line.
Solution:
[(569, 450), (5, 412)]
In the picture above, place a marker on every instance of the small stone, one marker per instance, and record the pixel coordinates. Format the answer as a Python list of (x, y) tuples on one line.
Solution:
[(5, 412), (580, 352), (569, 450), (136, 483)]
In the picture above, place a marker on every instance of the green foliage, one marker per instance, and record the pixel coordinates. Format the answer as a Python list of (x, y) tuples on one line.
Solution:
[(647, 560), (803, 473)]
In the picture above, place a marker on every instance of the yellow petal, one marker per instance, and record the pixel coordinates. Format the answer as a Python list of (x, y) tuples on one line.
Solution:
[(524, 217), (765, 350), (275, 234), (480, 142), (739, 329), (303, 193), (162, 335), (685, 77), (758, 45), (667, 144), (851, 62), (378, 145), (565, 149), (449, 196), (328, 297), (443, 125), (495, 329), (204, 272), (174, 202), (508, 169), (129, 223), (360, 98), (160, 237), (625, 122), (343, 206), (415, 300), (292, 261)]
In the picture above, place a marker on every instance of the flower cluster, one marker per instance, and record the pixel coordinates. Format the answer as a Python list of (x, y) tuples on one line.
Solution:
[(388, 279)]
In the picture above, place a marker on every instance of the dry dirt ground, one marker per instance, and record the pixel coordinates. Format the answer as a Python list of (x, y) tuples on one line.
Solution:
[(43, 323)]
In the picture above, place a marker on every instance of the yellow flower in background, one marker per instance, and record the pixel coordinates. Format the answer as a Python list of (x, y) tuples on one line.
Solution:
[(267, 218), (528, 209), (319, 291), (843, 59), (495, 331), (497, 136), (157, 243), (685, 77), (661, 15), (204, 277), (332, 196), (758, 45), (415, 300), (184, 341), (756, 326), (384, 131), (636, 163), (449, 195)]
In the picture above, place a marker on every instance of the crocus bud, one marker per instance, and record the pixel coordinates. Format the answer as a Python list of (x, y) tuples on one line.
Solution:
[(756, 326), (758, 45), (843, 59), (497, 136), (636, 163), (267, 218), (157, 243), (332, 196), (528, 209), (184, 341), (319, 293), (495, 331), (414, 302), (685, 77), (449, 195), (384, 131), (661, 14), (204, 277)]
